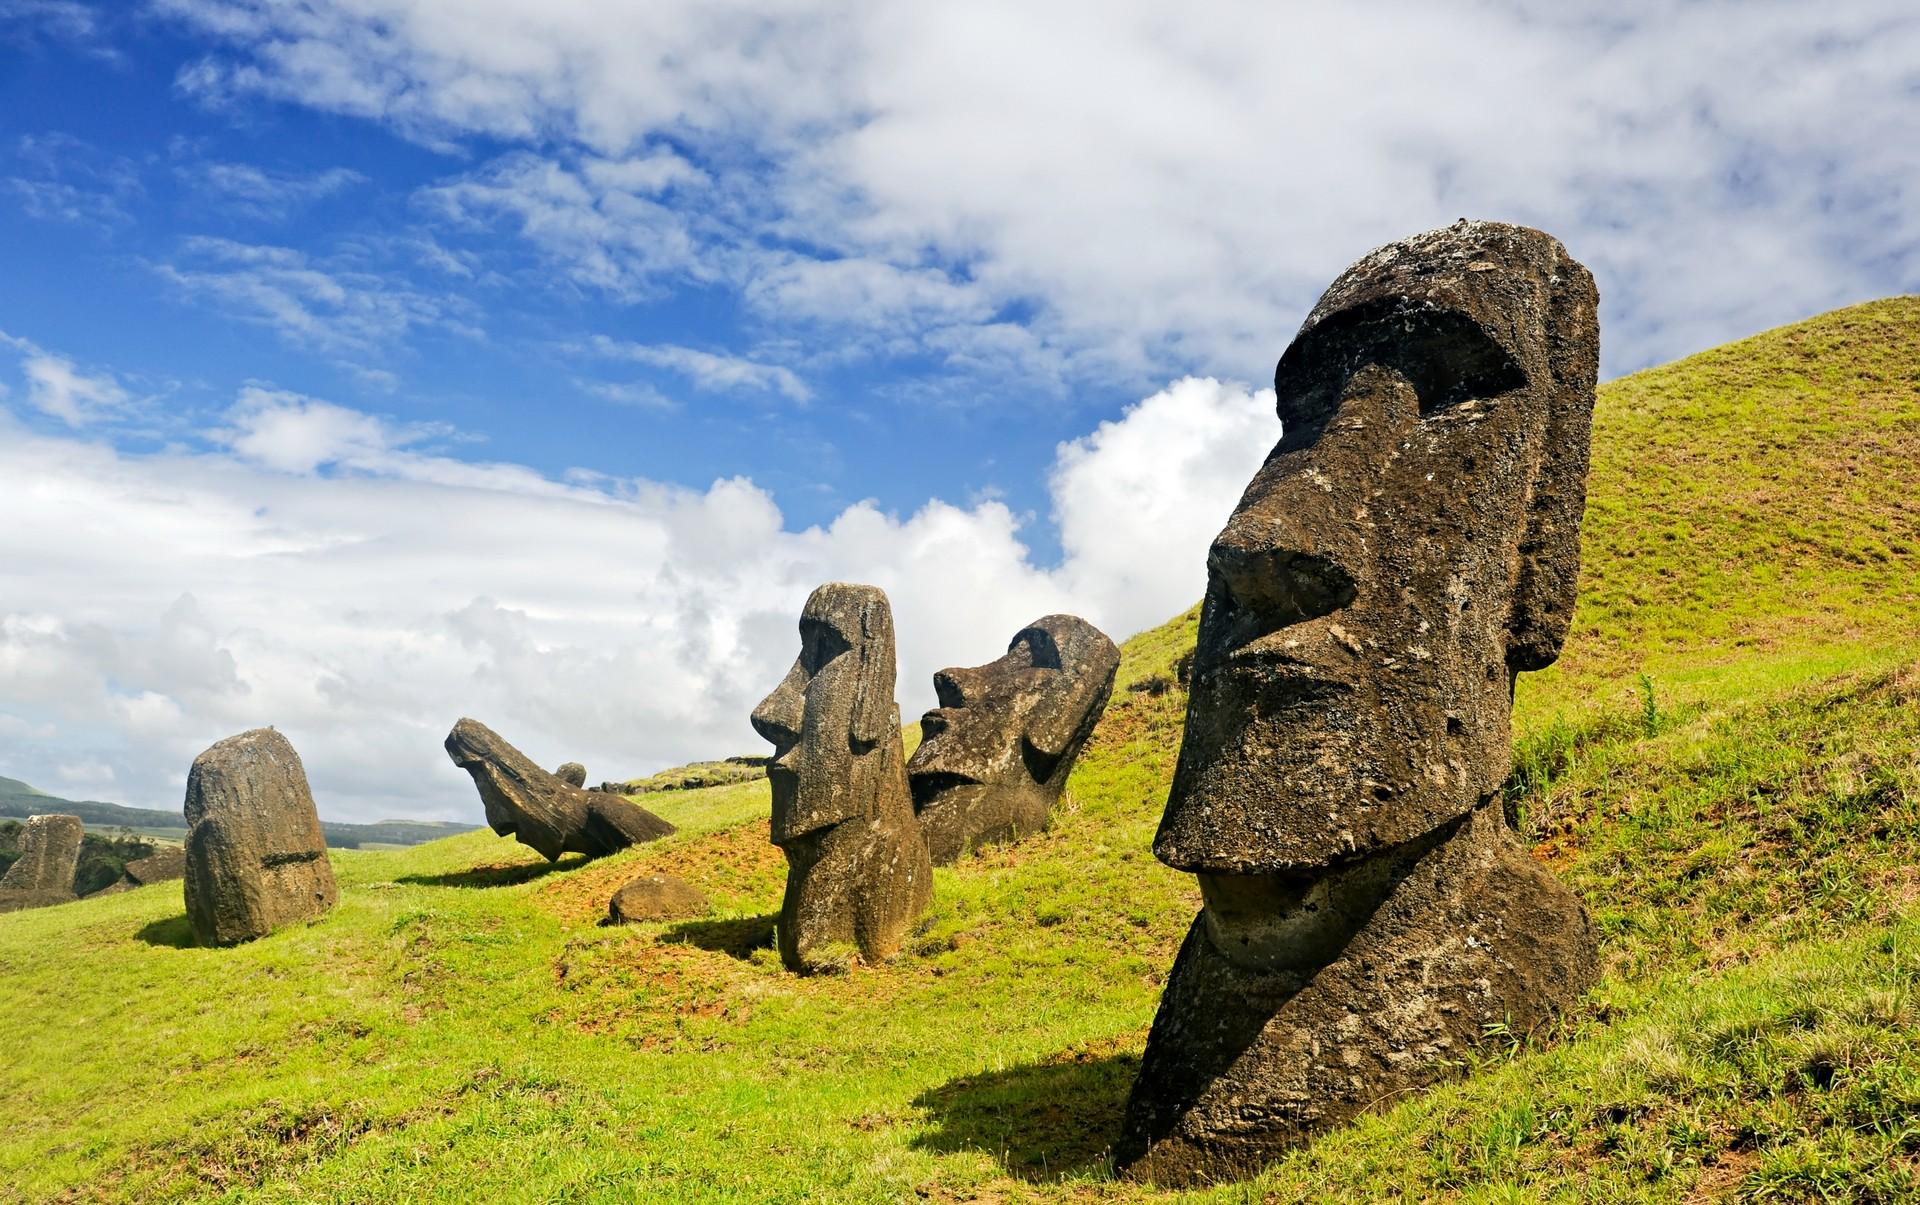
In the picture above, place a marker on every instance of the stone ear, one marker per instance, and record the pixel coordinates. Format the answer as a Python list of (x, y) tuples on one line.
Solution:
[(875, 716), (1549, 563), (1052, 725)]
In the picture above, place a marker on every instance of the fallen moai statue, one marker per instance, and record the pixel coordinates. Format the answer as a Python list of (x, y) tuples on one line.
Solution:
[(857, 867), (538, 809), (1409, 547), (43, 874), (255, 859), (165, 863), (995, 755)]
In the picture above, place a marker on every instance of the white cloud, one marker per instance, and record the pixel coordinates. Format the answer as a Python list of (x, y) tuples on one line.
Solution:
[(332, 308), (259, 193), (58, 387), (327, 571), (708, 370), (1148, 188)]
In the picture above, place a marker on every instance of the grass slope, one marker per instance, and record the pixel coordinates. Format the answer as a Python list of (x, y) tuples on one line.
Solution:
[(1725, 767)]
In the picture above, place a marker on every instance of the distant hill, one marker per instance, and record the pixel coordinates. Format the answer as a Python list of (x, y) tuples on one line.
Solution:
[(18, 800)]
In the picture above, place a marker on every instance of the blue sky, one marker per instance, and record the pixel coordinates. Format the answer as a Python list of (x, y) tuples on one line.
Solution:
[(364, 364)]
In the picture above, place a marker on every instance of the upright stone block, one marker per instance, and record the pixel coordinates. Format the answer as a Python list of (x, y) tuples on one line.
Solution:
[(43, 874), (255, 858)]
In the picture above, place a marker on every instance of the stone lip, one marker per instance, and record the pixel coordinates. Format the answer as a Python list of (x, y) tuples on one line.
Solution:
[(255, 857), (43, 874), (857, 867), (539, 809), (995, 755)]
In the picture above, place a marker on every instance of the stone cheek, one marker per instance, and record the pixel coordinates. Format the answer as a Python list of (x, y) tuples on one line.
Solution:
[(255, 858)]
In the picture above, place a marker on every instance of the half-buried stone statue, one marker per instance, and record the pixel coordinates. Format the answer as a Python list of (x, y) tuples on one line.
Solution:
[(995, 754), (43, 874), (541, 810), (255, 856), (857, 869), (1410, 546)]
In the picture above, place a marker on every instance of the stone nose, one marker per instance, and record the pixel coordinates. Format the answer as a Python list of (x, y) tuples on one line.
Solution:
[(956, 687), (1276, 581), (780, 716)]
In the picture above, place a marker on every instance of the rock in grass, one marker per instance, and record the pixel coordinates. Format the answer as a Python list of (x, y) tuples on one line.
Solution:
[(43, 875), (541, 811), (1410, 546), (255, 859), (857, 866), (653, 897), (995, 755), (164, 863), (573, 774)]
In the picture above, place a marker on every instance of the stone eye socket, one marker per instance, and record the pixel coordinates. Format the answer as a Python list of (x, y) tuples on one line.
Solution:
[(820, 643), (1038, 648)]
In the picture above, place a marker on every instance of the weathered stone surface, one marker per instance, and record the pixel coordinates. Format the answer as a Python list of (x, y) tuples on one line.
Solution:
[(255, 859), (573, 774), (1410, 546), (541, 811), (857, 868), (43, 874), (655, 897), (995, 754), (164, 863)]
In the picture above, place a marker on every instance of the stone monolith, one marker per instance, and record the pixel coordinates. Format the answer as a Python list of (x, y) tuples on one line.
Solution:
[(540, 810), (43, 874), (857, 868), (1409, 547), (995, 755), (255, 859)]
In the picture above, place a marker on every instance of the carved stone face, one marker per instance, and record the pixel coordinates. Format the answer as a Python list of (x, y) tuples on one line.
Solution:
[(1409, 545), (995, 754), (830, 717)]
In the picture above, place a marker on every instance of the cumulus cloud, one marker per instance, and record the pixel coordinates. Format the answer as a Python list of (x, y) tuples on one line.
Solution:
[(58, 387), (1146, 188), (330, 572)]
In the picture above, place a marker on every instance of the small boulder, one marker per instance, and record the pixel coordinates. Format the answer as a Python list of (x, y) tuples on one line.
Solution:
[(655, 897), (255, 859), (43, 875)]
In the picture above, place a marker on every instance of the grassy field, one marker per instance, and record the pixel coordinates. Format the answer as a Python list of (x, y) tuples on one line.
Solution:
[(1726, 766)]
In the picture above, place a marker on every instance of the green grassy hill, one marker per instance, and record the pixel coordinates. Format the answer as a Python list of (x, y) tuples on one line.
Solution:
[(1726, 766)]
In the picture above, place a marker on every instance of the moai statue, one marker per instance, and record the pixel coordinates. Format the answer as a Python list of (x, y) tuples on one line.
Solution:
[(573, 774), (542, 811), (43, 874), (1410, 546), (994, 756), (857, 869), (255, 856)]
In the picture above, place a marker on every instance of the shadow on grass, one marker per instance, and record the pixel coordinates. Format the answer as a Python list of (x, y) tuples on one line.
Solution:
[(174, 931), (1042, 1121), (504, 874), (739, 936)]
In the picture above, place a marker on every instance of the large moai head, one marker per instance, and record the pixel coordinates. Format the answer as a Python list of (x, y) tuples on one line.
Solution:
[(256, 857), (43, 874), (857, 869), (995, 755), (1410, 545)]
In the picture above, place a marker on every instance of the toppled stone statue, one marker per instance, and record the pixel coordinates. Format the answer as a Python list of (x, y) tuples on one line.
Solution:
[(1409, 547), (653, 897), (573, 774), (857, 869), (43, 874), (538, 809), (995, 754), (164, 863), (255, 857)]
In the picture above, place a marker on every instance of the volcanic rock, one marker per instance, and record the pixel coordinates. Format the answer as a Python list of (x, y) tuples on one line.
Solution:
[(255, 859), (542, 812), (43, 874)]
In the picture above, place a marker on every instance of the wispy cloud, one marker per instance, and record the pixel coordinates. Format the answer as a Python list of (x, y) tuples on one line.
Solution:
[(256, 192), (58, 387), (59, 178), (710, 371)]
